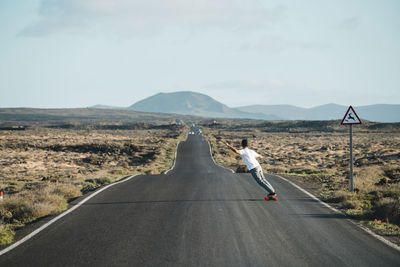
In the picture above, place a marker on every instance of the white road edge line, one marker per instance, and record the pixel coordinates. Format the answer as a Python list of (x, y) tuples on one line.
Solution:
[(44, 226), (310, 195), (214, 159), (176, 153), (387, 242)]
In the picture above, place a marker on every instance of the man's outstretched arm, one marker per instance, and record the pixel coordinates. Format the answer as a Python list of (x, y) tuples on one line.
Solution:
[(233, 149)]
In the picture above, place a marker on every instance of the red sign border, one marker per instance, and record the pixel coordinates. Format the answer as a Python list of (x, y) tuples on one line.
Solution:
[(345, 115)]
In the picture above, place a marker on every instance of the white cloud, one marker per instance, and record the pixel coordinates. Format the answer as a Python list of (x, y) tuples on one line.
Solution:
[(349, 23), (127, 17), (277, 43)]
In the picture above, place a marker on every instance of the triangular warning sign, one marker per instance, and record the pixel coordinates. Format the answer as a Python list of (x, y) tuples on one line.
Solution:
[(351, 117)]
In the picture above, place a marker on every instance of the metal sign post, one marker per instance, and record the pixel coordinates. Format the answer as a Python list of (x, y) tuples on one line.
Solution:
[(351, 118), (351, 159)]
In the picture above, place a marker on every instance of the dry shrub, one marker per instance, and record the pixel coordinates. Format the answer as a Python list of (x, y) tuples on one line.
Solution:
[(42, 209), (341, 196), (392, 172), (305, 171), (353, 201), (30, 205), (366, 178), (55, 202), (149, 172), (6, 234), (354, 204), (16, 209), (67, 191), (241, 169), (94, 183), (388, 209), (384, 228), (277, 170)]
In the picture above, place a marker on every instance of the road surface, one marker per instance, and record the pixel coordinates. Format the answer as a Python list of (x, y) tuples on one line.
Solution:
[(200, 214)]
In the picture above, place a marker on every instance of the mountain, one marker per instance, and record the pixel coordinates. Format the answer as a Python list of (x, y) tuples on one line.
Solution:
[(286, 112), (192, 103), (379, 113), (326, 112)]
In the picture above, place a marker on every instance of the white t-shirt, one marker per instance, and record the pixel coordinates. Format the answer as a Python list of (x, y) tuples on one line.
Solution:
[(249, 157)]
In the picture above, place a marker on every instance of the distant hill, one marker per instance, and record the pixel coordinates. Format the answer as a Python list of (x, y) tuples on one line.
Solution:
[(378, 113), (83, 116), (286, 112), (192, 103)]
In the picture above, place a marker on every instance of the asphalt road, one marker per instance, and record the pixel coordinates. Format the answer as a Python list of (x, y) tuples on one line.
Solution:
[(200, 214)]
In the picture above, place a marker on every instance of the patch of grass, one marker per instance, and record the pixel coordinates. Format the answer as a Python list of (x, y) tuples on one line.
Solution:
[(307, 172), (28, 206), (277, 170), (357, 201), (382, 227), (67, 191), (94, 183), (391, 191), (388, 209), (6, 234), (355, 213)]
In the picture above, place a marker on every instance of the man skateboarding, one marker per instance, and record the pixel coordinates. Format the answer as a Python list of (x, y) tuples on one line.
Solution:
[(249, 157)]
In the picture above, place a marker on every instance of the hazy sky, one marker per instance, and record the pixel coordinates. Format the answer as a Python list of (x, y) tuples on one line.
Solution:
[(78, 53)]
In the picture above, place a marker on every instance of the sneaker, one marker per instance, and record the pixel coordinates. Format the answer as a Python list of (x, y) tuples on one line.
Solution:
[(271, 196)]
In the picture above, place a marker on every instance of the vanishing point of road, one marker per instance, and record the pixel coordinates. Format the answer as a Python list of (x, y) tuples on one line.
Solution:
[(200, 214)]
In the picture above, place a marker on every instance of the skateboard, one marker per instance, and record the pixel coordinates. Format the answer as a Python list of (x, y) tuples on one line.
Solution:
[(274, 198)]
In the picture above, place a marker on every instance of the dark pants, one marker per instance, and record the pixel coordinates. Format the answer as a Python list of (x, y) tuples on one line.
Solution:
[(259, 177)]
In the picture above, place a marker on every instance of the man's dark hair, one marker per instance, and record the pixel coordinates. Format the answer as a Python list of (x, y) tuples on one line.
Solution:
[(244, 143)]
